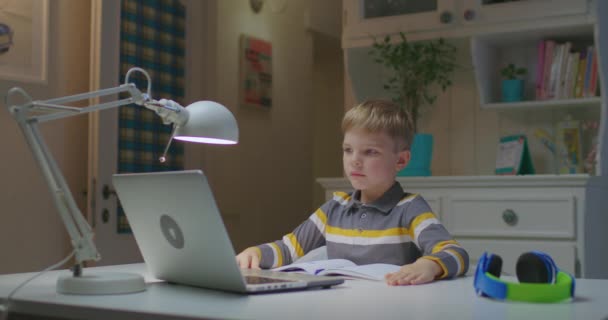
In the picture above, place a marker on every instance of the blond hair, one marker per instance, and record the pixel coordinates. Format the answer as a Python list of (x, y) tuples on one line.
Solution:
[(381, 116)]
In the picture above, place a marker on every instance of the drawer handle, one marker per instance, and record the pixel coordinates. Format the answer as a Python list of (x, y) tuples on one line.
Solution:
[(509, 217)]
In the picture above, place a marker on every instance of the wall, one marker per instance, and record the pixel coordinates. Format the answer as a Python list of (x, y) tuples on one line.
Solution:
[(329, 106), (31, 234), (264, 185)]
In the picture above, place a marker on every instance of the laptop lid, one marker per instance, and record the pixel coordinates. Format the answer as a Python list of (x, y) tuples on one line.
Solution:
[(182, 237)]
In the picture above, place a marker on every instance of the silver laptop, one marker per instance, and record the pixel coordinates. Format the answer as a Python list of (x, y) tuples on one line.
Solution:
[(182, 237)]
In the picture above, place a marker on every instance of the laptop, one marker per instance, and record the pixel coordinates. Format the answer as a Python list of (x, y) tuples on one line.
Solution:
[(182, 238)]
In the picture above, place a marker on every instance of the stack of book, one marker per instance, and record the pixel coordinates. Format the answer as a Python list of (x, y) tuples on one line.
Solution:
[(565, 73)]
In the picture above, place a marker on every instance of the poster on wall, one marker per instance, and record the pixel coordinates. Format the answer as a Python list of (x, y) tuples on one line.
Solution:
[(255, 72), (23, 40)]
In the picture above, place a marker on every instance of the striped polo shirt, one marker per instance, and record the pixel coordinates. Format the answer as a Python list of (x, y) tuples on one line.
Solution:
[(398, 228)]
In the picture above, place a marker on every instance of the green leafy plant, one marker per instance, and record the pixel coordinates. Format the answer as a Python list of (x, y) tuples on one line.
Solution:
[(416, 68), (511, 72)]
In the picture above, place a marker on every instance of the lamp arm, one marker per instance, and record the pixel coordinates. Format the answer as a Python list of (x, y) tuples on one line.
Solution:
[(80, 232), (28, 116), (170, 111)]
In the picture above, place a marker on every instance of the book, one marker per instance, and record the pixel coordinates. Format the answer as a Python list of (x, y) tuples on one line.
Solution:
[(571, 70), (540, 64), (555, 75), (547, 63), (580, 77), (563, 69), (588, 71), (341, 267), (593, 80)]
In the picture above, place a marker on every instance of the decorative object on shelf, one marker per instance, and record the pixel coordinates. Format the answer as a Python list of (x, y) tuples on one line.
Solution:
[(569, 146), (513, 156), (590, 145), (512, 85), (202, 122), (546, 139), (416, 67), (256, 72)]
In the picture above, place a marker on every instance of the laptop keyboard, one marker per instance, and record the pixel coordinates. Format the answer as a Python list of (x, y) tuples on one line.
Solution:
[(263, 280)]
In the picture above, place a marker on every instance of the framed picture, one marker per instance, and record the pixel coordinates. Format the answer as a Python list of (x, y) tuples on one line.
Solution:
[(23, 40), (513, 156), (255, 72)]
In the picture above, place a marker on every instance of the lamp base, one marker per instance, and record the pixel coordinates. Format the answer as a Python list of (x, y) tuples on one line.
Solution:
[(101, 283)]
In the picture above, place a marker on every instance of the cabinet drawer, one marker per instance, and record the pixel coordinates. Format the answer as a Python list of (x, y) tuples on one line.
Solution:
[(563, 253), (511, 217)]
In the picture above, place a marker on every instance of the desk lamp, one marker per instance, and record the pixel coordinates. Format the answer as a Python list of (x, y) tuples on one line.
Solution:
[(202, 121)]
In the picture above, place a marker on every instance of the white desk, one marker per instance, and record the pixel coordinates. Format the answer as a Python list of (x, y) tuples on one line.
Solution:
[(355, 299)]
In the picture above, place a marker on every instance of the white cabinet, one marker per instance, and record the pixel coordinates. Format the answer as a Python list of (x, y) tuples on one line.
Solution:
[(484, 11), (366, 18), (507, 215)]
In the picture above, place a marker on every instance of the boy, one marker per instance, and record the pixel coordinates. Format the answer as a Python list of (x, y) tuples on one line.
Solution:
[(379, 222)]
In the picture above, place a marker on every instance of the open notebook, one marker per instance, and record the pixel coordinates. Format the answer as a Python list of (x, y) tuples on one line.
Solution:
[(341, 267)]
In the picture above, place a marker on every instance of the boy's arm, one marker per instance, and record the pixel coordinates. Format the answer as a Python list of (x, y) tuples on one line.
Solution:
[(434, 241), (307, 236)]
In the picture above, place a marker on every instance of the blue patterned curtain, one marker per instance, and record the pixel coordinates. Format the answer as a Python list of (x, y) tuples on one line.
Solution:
[(153, 38)]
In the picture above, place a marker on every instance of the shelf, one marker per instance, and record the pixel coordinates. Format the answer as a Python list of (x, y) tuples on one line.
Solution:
[(592, 102)]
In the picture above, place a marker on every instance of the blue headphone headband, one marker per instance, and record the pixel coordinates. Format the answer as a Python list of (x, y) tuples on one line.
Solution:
[(560, 285)]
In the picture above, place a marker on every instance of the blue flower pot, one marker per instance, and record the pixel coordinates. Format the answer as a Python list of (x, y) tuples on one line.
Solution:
[(422, 154), (512, 90)]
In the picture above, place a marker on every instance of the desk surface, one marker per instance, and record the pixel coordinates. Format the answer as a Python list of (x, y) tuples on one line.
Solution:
[(355, 299)]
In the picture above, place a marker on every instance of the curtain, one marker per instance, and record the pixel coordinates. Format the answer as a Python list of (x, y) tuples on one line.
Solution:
[(152, 37)]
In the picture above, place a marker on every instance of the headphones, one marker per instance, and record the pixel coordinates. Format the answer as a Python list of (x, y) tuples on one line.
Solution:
[(539, 279)]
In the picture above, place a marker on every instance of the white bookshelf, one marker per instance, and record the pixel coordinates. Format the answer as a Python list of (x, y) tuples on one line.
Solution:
[(476, 117), (570, 105), (491, 52)]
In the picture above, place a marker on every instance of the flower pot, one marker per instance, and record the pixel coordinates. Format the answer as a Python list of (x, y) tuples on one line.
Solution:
[(422, 154), (512, 90)]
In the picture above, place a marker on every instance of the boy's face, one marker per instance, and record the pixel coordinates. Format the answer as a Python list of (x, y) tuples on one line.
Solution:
[(371, 161)]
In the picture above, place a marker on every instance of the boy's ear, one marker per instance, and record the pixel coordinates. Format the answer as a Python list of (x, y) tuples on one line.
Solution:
[(404, 159)]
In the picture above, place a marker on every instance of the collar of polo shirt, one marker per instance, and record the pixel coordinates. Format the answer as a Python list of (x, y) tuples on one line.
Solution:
[(384, 204)]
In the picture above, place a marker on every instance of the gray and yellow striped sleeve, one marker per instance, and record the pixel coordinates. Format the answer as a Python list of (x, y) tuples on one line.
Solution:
[(433, 240), (306, 237)]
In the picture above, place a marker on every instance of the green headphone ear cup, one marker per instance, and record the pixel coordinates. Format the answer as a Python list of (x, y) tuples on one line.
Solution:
[(531, 268)]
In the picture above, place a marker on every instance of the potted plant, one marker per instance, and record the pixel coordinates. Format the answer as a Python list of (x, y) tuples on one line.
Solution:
[(512, 84), (416, 68)]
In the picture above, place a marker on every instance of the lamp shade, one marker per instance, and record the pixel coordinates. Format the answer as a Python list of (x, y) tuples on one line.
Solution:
[(208, 122)]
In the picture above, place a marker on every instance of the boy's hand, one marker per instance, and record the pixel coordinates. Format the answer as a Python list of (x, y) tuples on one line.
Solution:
[(419, 272), (249, 258)]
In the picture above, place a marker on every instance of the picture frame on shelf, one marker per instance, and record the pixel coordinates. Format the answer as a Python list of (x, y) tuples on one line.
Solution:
[(513, 156), (24, 40)]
